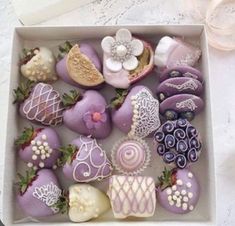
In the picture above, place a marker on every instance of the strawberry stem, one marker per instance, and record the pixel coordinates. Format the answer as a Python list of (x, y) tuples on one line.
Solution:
[(119, 99), (71, 98), (166, 179), (64, 49), (23, 91), (25, 181), (68, 153), (25, 137), (28, 54), (63, 202)]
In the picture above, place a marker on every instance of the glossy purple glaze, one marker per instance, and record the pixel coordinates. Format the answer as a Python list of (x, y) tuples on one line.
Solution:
[(90, 158), (74, 116), (53, 142), (122, 117), (185, 71), (182, 103), (31, 205), (88, 51), (180, 85), (182, 175)]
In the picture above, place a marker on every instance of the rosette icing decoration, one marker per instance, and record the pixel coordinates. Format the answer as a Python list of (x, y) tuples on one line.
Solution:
[(39, 103), (136, 112), (172, 52), (132, 196), (178, 143), (126, 59), (130, 156), (84, 161)]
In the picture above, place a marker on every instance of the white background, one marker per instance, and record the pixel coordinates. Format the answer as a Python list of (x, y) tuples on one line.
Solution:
[(222, 65)]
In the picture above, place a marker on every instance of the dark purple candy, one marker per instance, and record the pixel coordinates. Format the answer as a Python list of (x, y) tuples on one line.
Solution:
[(168, 127), (159, 136), (169, 141), (179, 134), (169, 157), (178, 142), (192, 155), (161, 149), (181, 71), (181, 161), (181, 146)]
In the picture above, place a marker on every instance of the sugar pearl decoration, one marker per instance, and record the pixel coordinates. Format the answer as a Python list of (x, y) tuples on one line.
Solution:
[(190, 175), (41, 164), (190, 195), (174, 187), (179, 182), (191, 207), (189, 185), (30, 164), (185, 206), (169, 191), (34, 157), (183, 192)]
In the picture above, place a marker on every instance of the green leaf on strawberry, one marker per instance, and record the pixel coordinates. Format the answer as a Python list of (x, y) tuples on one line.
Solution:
[(63, 202), (68, 154), (167, 179), (64, 49), (25, 137), (71, 98), (119, 99)]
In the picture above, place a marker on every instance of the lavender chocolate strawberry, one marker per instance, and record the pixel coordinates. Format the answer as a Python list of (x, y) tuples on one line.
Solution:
[(178, 191), (181, 105), (39, 147), (181, 71), (79, 65), (39, 103), (173, 86), (130, 156), (126, 59), (84, 161), (38, 64), (172, 52), (38, 193), (87, 114), (136, 112), (178, 143)]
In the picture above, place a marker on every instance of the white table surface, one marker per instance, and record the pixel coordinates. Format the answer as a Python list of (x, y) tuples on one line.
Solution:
[(222, 64)]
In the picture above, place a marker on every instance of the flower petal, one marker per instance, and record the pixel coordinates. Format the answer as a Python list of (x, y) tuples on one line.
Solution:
[(137, 47), (131, 63), (103, 118), (113, 65), (87, 116), (106, 43), (97, 124), (123, 35), (90, 124)]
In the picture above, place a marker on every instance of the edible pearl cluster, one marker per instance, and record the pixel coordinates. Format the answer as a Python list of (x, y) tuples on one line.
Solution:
[(180, 197), (39, 68), (41, 150)]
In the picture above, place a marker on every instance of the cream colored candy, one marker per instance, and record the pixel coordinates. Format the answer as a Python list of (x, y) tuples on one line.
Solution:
[(86, 202)]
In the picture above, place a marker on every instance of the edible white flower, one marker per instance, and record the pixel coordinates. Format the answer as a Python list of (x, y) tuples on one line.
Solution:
[(123, 50)]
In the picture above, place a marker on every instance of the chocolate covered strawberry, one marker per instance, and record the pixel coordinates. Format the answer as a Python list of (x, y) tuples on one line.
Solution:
[(136, 112), (38, 193), (39, 147), (178, 190), (38, 64), (84, 160), (126, 59), (39, 103), (79, 65), (87, 114)]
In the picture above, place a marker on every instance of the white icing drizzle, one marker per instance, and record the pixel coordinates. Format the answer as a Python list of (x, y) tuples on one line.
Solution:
[(145, 114), (187, 104), (49, 194), (89, 147), (44, 95), (189, 59), (190, 75), (191, 84)]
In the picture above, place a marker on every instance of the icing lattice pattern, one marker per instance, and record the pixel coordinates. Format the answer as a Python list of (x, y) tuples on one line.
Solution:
[(132, 196), (44, 105), (95, 170), (145, 114), (49, 194)]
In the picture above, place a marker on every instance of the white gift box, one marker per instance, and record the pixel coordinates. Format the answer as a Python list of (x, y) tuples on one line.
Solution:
[(204, 213)]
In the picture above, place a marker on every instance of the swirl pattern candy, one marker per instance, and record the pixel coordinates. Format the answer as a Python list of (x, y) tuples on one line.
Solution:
[(130, 156), (178, 142)]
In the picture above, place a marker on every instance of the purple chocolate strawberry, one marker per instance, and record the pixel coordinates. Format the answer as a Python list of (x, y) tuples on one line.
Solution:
[(136, 112), (180, 85), (84, 161), (178, 191), (38, 193), (39, 103), (181, 106), (79, 65), (39, 147), (87, 114), (178, 142)]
